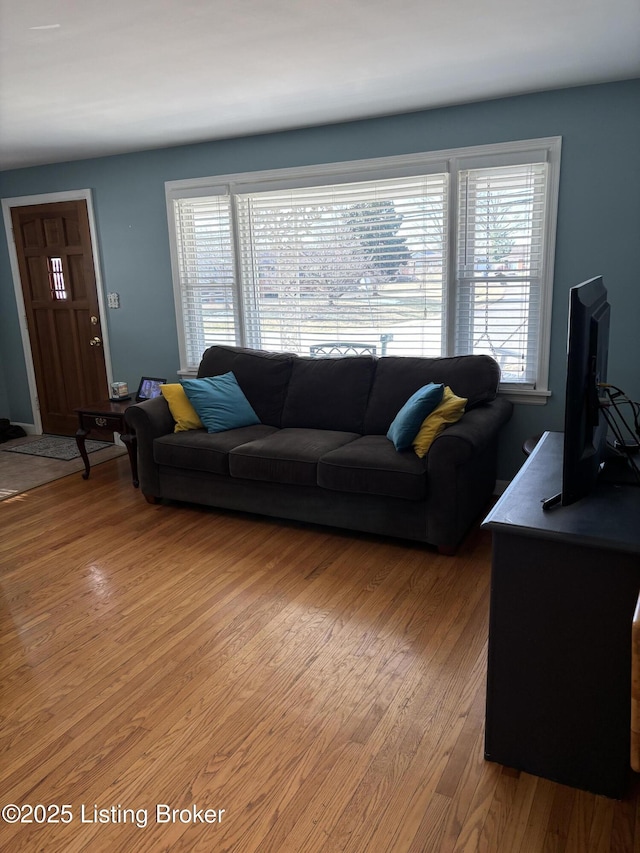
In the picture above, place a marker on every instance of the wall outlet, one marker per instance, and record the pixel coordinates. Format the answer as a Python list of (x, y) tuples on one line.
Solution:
[(113, 300)]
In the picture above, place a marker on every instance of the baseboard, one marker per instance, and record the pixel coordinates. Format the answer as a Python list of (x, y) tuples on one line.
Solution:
[(30, 429)]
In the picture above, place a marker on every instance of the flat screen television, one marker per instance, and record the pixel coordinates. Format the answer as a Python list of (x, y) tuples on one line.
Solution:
[(585, 427)]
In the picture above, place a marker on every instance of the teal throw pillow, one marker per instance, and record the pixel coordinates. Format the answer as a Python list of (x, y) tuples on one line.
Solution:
[(220, 402), (406, 424)]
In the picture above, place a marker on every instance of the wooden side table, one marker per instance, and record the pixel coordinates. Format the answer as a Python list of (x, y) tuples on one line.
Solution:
[(106, 415)]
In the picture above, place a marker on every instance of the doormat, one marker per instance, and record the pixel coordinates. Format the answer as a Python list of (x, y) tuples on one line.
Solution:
[(56, 447)]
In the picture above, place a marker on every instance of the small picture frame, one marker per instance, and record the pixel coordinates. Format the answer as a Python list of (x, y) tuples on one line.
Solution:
[(149, 388), (119, 392)]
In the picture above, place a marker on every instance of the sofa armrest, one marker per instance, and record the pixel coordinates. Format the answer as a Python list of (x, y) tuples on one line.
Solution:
[(149, 420), (461, 471), (471, 434)]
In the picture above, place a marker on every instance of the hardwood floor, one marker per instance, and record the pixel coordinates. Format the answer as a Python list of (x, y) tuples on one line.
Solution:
[(324, 689), (19, 472)]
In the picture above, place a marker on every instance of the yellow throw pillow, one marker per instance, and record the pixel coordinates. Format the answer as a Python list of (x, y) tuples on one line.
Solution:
[(449, 411), (181, 409)]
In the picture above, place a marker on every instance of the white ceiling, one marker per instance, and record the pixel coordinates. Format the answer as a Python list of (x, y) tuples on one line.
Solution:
[(84, 78)]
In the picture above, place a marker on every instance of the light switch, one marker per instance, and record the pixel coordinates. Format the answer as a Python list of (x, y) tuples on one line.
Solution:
[(113, 300)]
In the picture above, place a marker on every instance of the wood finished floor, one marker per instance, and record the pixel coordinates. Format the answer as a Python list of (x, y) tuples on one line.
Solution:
[(325, 689), (19, 472)]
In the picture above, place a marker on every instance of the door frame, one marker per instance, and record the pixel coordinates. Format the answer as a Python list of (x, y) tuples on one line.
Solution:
[(52, 198)]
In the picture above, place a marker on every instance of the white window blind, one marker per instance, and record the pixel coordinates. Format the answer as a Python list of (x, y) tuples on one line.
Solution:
[(353, 263), (205, 263), (375, 255), (501, 228)]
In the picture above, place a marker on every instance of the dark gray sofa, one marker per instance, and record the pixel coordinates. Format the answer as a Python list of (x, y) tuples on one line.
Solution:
[(320, 453)]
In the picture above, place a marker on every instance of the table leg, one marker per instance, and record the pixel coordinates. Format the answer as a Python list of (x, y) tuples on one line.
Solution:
[(81, 435)]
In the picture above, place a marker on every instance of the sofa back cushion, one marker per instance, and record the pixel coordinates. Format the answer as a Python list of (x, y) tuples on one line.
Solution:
[(263, 376), (475, 377), (329, 393)]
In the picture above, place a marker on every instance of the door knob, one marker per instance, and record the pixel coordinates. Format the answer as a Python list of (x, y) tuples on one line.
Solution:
[(95, 342)]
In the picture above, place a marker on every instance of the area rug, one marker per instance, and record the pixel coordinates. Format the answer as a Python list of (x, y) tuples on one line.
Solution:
[(21, 472), (56, 447)]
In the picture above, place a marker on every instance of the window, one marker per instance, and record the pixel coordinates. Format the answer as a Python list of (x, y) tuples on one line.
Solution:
[(499, 266), (434, 254), (57, 287)]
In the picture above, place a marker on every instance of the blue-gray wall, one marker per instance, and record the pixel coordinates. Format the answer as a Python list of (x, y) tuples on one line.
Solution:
[(598, 224)]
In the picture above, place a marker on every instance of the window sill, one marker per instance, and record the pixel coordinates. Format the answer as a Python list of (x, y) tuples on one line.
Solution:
[(528, 396)]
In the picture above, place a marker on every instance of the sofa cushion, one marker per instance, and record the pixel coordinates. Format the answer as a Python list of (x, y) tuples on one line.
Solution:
[(181, 409), (450, 410), (263, 376), (407, 422), (220, 402), (371, 465), (287, 456), (329, 393), (475, 377), (199, 450)]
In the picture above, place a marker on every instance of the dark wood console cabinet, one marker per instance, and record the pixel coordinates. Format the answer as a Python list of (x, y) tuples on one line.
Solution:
[(564, 589)]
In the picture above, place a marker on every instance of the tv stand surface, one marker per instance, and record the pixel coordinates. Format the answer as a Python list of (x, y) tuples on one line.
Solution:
[(617, 469), (563, 594)]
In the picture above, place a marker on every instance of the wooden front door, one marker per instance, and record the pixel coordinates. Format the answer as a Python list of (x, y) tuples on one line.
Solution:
[(55, 258)]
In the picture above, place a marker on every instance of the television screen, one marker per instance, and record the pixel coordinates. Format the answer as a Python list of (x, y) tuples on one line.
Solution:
[(585, 427)]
